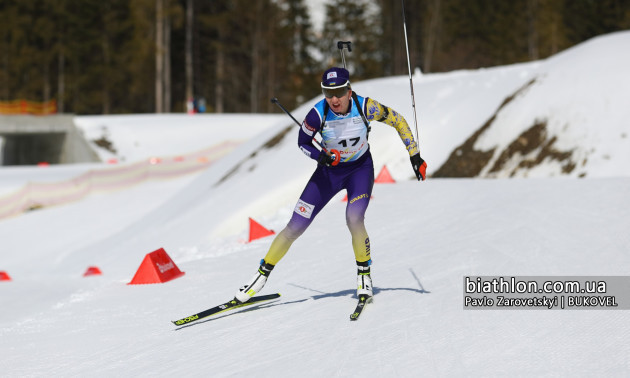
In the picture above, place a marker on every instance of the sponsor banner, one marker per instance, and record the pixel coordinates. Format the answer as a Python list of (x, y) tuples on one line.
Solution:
[(28, 107), (546, 293)]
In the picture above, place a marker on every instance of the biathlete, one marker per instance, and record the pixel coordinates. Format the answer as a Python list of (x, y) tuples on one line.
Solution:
[(343, 120)]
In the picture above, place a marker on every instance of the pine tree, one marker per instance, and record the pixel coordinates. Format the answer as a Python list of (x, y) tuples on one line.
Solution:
[(302, 68), (100, 57)]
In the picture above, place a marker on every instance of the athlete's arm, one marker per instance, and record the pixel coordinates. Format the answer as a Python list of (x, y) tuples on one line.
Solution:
[(381, 113), (310, 127)]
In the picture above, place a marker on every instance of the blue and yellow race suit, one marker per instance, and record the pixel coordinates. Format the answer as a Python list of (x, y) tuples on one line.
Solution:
[(347, 133)]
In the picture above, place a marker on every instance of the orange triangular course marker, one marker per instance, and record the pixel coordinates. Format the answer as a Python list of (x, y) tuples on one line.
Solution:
[(4, 276), (256, 231), (92, 271), (384, 177), (157, 267)]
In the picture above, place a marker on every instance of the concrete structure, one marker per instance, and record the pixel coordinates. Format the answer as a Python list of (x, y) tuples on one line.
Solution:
[(29, 140)]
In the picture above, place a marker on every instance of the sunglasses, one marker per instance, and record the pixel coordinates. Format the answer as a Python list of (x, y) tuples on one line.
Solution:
[(338, 92)]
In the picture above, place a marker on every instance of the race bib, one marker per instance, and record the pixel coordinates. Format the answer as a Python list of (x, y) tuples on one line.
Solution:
[(348, 135)]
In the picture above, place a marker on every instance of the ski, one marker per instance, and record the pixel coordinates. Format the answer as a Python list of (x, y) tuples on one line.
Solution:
[(229, 305), (363, 300)]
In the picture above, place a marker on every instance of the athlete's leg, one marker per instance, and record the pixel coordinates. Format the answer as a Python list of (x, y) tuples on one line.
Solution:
[(318, 191), (285, 238), (316, 194), (359, 186)]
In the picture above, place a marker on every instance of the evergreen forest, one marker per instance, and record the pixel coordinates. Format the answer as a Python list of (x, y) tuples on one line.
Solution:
[(151, 56)]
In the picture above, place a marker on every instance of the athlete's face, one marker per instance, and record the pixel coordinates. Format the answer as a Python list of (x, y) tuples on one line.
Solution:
[(340, 105)]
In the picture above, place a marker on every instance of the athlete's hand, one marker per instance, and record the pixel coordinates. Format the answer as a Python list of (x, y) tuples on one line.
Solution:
[(419, 167), (329, 158)]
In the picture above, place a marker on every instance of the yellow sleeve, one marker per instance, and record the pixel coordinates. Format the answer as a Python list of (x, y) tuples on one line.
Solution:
[(382, 113)]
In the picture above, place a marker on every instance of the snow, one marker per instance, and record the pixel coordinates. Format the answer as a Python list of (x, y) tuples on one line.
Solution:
[(425, 238), (142, 136), (588, 99)]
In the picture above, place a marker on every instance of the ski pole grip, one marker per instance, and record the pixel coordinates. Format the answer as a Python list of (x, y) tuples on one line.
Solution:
[(341, 44), (337, 157)]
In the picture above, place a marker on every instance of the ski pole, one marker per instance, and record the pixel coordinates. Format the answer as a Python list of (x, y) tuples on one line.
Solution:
[(332, 151), (413, 99), (340, 46)]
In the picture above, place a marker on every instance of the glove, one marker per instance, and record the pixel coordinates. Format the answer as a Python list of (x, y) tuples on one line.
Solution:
[(325, 159), (419, 167), (328, 160)]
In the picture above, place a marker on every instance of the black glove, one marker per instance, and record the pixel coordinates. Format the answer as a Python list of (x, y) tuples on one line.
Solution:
[(327, 160), (419, 167)]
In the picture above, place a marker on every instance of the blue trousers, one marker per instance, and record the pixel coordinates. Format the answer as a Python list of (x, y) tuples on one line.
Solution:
[(358, 179)]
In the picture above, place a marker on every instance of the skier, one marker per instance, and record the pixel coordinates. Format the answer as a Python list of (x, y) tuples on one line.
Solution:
[(345, 162)]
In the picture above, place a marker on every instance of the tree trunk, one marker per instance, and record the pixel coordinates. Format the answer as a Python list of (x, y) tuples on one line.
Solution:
[(256, 60), (167, 64), (107, 66), (189, 50), (159, 56), (47, 88), (532, 38), (61, 81), (432, 35), (218, 86)]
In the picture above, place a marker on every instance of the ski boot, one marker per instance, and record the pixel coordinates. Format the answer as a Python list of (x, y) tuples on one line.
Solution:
[(364, 280), (255, 284)]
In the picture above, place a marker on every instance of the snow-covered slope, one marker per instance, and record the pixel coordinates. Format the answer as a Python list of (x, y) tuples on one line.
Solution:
[(129, 138), (426, 237), (572, 120)]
